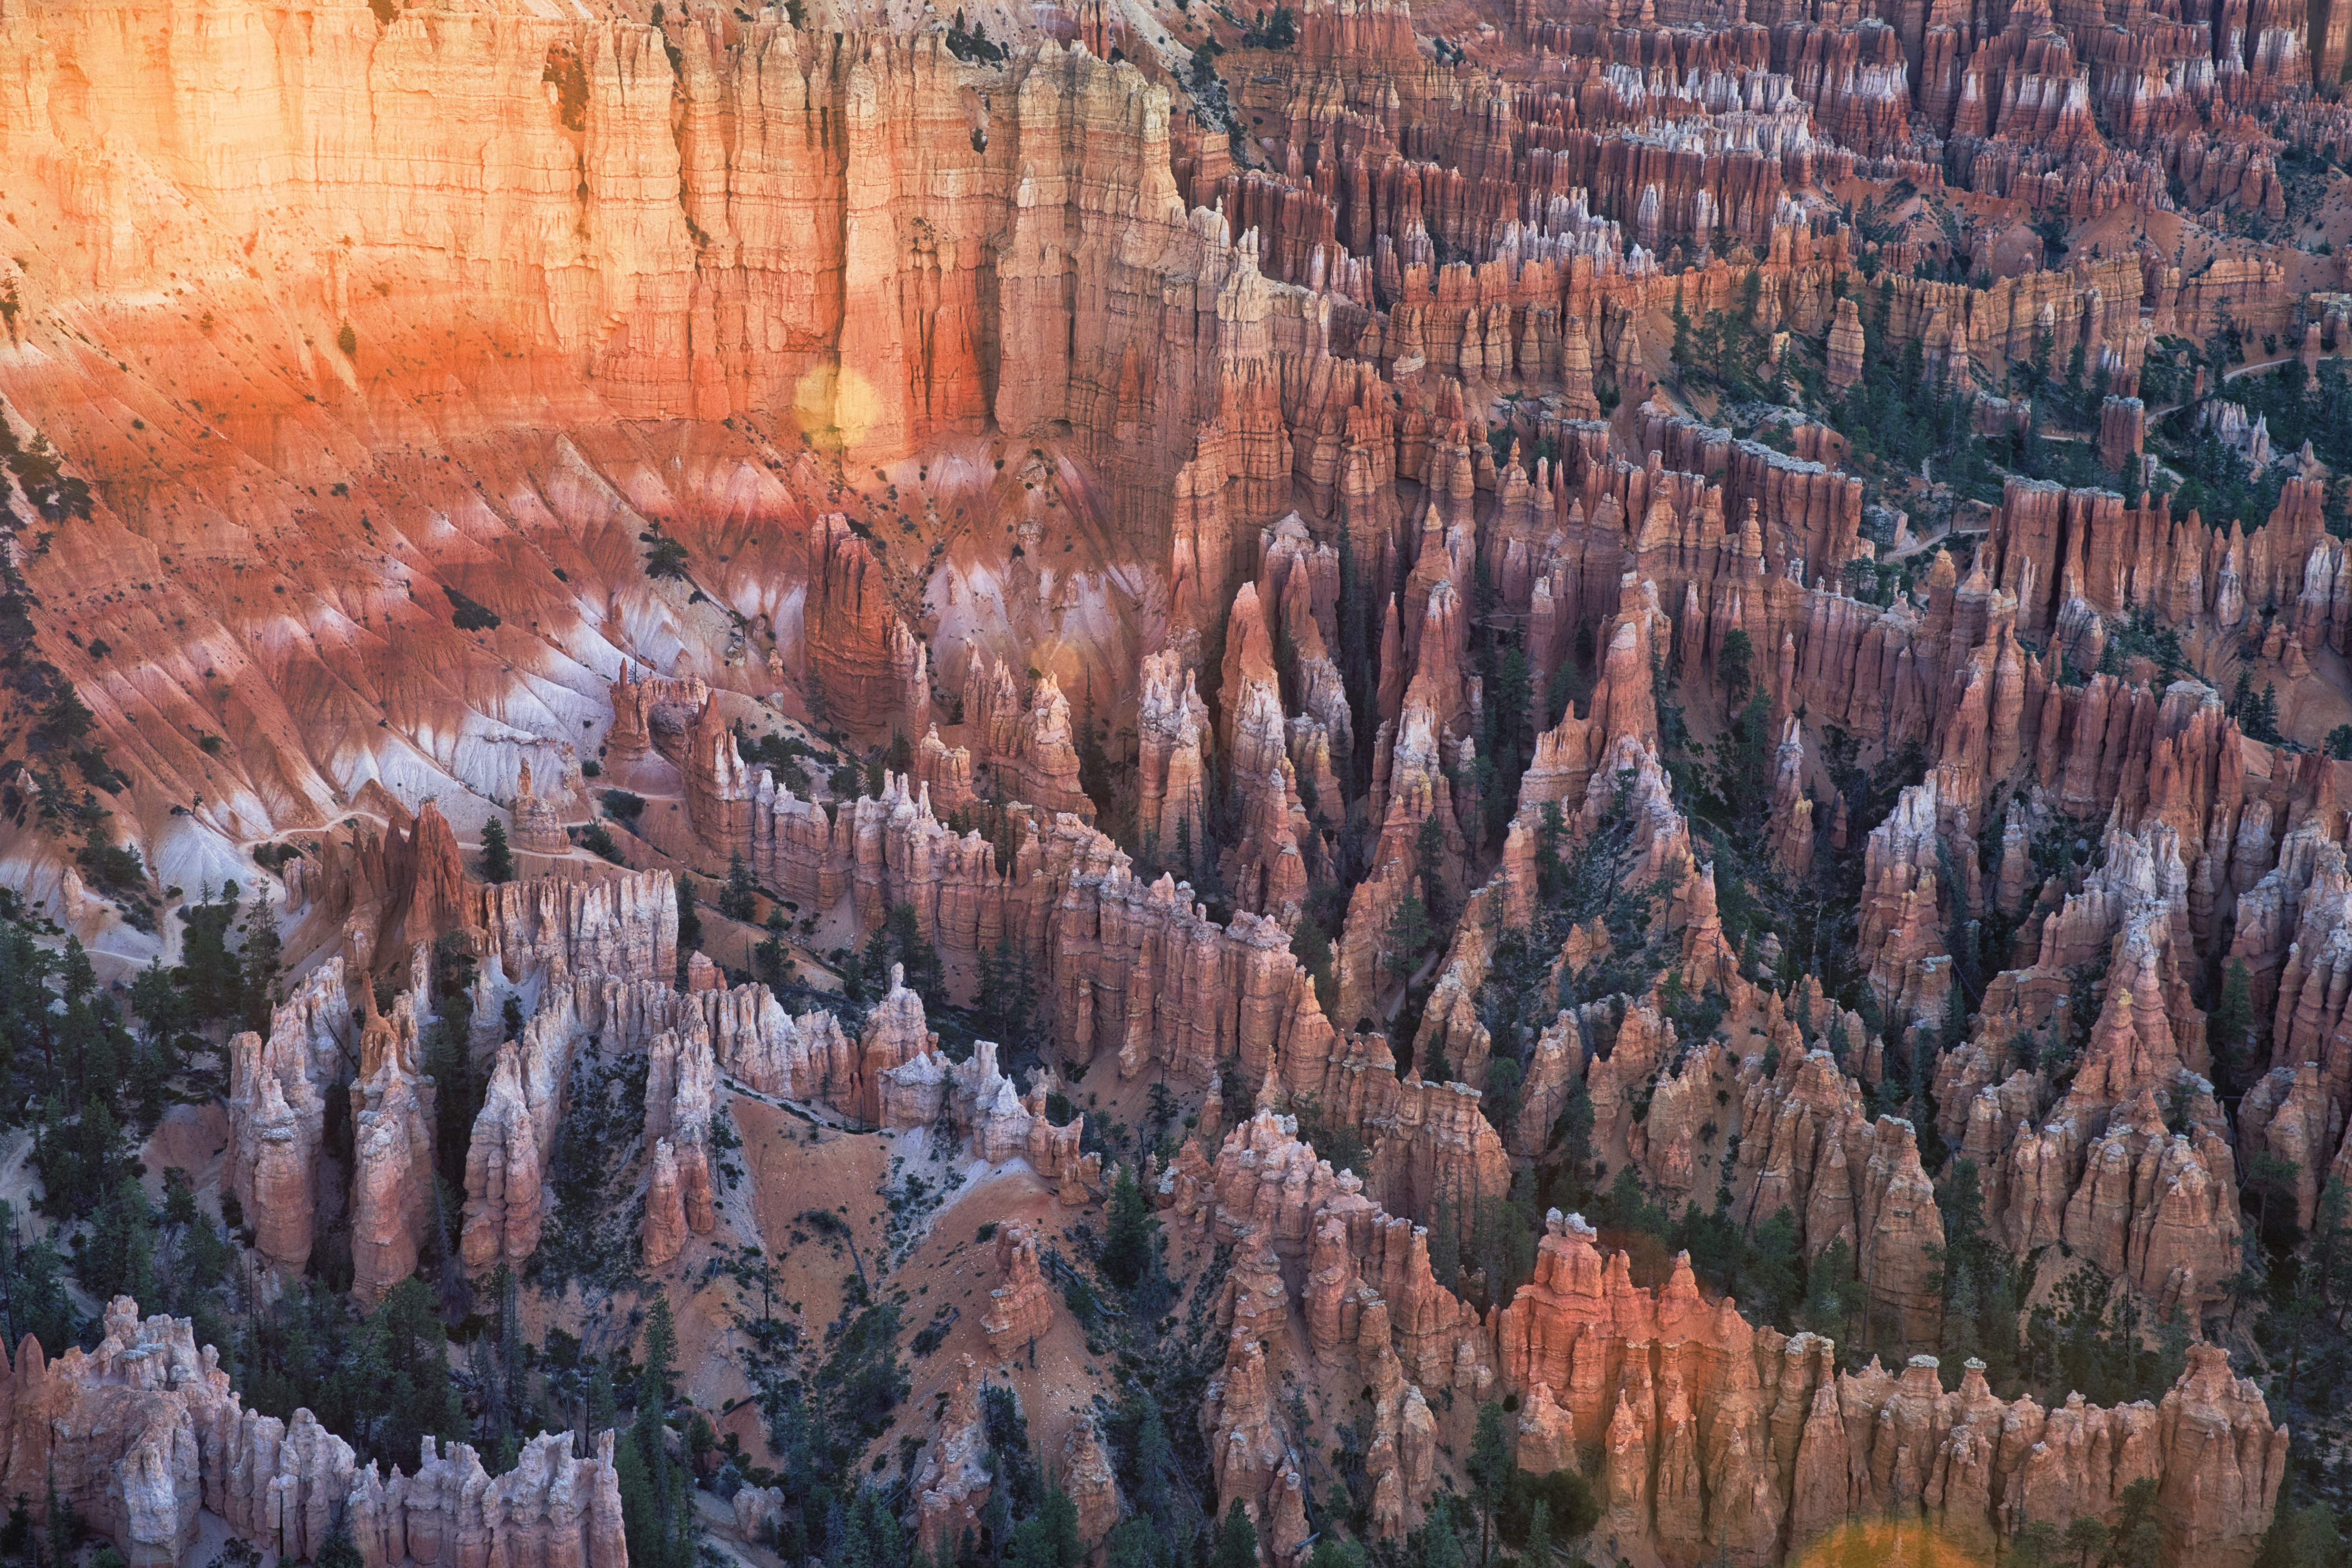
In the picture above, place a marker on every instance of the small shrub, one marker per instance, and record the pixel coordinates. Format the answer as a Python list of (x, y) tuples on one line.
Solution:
[(664, 556), (597, 840), (470, 616)]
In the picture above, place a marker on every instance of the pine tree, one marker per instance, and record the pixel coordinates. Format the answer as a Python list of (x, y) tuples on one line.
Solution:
[(740, 901), (772, 961), (1441, 1546), (660, 1350), (656, 1512), (339, 1549), (1538, 1550), (259, 962), (1312, 947), (1731, 668), (1127, 1253), (1489, 1469), (1236, 1541), (689, 923), (1408, 936), (2232, 1019), (498, 859), (1446, 1242)]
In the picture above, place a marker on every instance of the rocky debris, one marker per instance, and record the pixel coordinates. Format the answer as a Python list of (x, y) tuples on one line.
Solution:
[(1172, 724), (1902, 931), (2122, 429), (551, 1502), (654, 714), (1326, 328), (758, 1511), (1370, 1302), (895, 1034), (944, 774), (1117, 959), (2159, 1208), (1024, 739), (1021, 1309)]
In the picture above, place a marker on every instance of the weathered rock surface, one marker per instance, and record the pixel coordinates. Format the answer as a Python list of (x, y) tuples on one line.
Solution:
[(1021, 1309), (143, 1434)]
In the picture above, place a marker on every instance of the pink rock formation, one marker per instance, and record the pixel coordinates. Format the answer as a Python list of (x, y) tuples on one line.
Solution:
[(664, 1228), (1021, 1309), (953, 1483), (277, 1114), (1024, 742), (392, 1153), (1087, 1476), (873, 673), (143, 1435), (1797, 1447), (503, 1168)]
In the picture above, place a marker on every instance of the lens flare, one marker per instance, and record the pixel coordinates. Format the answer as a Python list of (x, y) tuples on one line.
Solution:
[(835, 405), (1892, 1544)]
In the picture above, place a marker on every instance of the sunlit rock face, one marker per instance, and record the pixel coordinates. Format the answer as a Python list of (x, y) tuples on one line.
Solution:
[(1596, 605)]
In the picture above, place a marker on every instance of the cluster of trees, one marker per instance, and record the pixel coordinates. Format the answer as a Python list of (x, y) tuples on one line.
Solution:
[(2255, 711)]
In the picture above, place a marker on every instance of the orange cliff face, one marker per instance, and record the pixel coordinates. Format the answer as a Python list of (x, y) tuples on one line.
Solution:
[(384, 432)]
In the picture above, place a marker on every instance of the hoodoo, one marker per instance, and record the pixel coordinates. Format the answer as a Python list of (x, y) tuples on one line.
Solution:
[(1312, 785)]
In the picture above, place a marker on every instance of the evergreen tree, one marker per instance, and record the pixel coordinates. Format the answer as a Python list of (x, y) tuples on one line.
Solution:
[(339, 1549), (33, 1295), (2298, 1538), (1489, 1469), (2230, 1024), (1441, 1545), (1006, 1006), (657, 1513), (1311, 945), (2265, 725), (392, 1388), (1127, 1251), (1539, 1549), (771, 959), (117, 1258), (498, 859), (1236, 1541), (1731, 668), (655, 1378), (689, 923), (259, 964), (740, 901), (1408, 936)]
